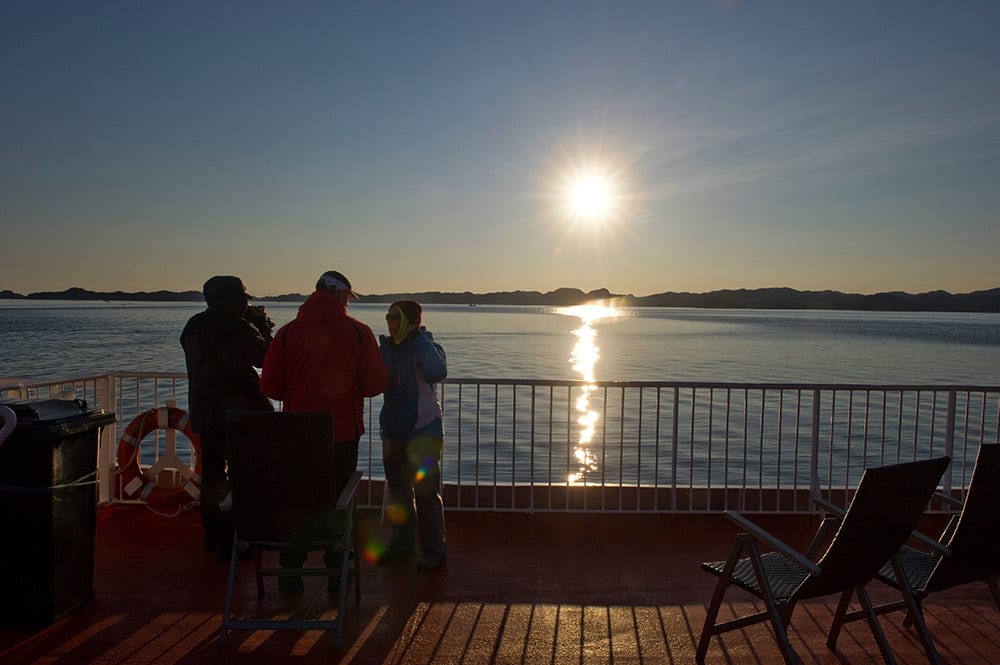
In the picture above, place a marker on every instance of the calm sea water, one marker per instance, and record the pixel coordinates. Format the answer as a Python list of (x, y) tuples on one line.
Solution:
[(66, 339), (70, 339)]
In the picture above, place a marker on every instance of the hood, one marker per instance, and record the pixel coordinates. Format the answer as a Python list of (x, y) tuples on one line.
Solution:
[(321, 306)]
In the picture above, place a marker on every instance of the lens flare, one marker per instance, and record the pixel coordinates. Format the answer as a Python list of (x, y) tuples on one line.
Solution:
[(373, 551), (395, 513)]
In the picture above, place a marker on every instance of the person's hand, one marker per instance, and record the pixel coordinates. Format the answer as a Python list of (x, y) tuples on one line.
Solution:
[(257, 316)]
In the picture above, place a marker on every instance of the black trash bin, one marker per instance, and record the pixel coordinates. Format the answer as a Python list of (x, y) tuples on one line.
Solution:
[(48, 510)]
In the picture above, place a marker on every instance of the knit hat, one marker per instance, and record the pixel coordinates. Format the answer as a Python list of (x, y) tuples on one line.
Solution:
[(224, 287), (410, 310)]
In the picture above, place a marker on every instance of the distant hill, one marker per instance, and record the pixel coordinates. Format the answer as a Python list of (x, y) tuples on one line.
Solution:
[(770, 298), (560, 297), (785, 298), (76, 293)]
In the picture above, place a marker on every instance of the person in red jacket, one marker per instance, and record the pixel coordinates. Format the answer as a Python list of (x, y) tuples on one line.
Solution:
[(325, 360)]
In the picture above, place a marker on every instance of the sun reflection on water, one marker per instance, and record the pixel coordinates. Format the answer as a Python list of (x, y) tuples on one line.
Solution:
[(583, 358)]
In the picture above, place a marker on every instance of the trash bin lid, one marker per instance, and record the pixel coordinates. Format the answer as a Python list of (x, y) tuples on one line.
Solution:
[(46, 409), (53, 444), (57, 417)]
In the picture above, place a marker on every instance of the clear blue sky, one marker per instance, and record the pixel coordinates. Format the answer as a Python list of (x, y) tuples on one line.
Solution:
[(849, 145)]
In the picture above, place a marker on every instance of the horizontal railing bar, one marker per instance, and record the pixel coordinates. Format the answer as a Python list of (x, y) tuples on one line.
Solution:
[(688, 446), (871, 387), (875, 387)]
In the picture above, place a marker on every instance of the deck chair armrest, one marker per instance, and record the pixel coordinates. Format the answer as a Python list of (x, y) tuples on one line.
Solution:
[(760, 534), (347, 494), (937, 546), (828, 507), (950, 500), (822, 536)]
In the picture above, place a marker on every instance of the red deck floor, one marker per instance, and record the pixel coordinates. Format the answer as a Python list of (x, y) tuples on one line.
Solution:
[(518, 588)]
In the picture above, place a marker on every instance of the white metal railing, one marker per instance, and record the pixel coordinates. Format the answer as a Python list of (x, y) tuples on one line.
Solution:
[(537, 445)]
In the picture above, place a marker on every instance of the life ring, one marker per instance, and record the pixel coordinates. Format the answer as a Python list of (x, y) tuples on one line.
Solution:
[(141, 484)]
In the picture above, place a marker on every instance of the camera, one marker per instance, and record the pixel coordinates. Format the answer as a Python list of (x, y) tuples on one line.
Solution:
[(257, 315)]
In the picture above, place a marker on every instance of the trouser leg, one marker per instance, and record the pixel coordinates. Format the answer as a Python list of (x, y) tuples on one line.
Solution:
[(345, 463), (400, 513), (216, 525), (424, 453)]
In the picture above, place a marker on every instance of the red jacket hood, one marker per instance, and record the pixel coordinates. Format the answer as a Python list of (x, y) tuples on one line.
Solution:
[(320, 307)]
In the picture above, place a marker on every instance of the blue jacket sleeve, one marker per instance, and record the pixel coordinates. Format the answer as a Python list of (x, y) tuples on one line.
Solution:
[(430, 358)]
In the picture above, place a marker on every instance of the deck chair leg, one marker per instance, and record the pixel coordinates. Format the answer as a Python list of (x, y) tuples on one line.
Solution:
[(708, 629), (357, 564), (873, 624), (356, 544), (838, 620), (915, 612), (908, 615), (779, 626), (233, 558), (991, 582), (345, 562), (780, 619), (257, 552)]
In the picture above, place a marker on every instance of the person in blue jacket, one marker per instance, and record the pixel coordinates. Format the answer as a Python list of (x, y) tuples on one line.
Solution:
[(413, 437)]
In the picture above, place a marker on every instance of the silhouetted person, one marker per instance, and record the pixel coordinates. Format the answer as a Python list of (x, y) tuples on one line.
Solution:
[(325, 360), (413, 436), (222, 345)]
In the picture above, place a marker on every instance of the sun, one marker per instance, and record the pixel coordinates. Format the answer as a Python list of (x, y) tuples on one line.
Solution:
[(590, 195)]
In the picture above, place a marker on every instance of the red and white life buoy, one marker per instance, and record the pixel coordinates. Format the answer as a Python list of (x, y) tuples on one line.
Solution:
[(139, 483)]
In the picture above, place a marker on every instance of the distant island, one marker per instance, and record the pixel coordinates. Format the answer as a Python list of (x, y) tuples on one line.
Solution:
[(769, 298)]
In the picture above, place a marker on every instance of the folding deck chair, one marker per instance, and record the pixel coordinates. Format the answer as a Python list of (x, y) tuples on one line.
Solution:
[(886, 507), (967, 551), (281, 469)]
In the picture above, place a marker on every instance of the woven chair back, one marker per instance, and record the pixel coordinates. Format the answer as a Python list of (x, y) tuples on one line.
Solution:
[(975, 543), (281, 468), (885, 509)]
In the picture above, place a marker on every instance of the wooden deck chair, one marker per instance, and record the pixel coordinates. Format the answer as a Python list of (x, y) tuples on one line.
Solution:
[(967, 551), (885, 509), (281, 468)]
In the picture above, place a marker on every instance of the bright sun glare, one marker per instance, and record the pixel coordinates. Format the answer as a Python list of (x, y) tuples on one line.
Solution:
[(591, 196)]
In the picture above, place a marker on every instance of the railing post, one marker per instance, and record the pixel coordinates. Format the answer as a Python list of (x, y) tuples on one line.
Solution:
[(106, 449), (949, 441), (674, 433), (814, 448)]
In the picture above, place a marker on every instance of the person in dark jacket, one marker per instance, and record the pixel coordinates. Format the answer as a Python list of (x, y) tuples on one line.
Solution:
[(413, 436), (222, 345)]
